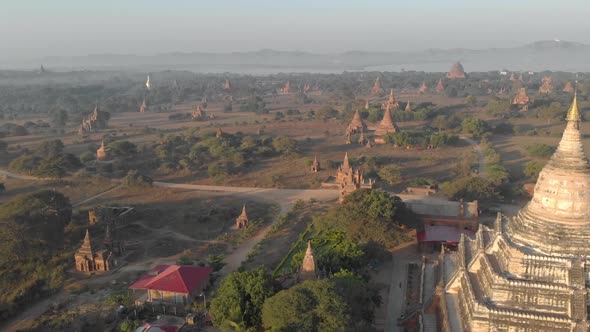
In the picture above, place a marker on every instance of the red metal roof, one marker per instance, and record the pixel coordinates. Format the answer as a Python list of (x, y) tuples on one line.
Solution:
[(173, 278), (443, 234)]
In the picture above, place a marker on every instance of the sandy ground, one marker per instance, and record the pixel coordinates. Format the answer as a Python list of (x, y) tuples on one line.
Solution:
[(285, 198)]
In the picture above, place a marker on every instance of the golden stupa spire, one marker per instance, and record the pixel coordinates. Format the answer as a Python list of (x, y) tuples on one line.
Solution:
[(573, 114)]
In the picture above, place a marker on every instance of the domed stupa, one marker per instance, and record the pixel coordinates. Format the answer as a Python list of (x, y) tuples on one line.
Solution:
[(530, 272)]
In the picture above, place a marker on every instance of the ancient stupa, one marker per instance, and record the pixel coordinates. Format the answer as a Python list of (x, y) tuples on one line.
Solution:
[(308, 266), (546, 85), (242, 220), (457, 71), (440, 88), (569, 87), (423, 87), (528, 272), (356, 124), (385, 126), (377, 90), (408, 107), (391, 103), (521, 99), (103, 153), (315, 165), (227, 85)]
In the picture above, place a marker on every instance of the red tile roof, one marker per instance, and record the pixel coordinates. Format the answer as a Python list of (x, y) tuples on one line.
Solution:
[(174, 278)]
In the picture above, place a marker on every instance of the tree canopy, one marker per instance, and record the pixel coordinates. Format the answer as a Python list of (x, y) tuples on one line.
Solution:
[(313, 305), (240, 298)]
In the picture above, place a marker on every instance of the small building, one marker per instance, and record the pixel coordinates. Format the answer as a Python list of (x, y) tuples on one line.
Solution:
[(347, 180), (440, 88), (89, 260), (315, 165), (308, 269), (443, 221), (377, 90), (173, 284), (242, 219), (103, 153)]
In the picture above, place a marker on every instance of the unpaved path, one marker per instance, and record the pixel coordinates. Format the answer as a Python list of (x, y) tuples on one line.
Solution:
[(285, 198), (481, 158)]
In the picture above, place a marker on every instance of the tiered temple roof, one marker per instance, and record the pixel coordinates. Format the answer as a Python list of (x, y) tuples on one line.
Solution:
[(531, 272), (357, 124), (569, 87), (521, 99), (457, 71), (546, 85), (227, 85), (385, 126), (391, 103), (94, 121)]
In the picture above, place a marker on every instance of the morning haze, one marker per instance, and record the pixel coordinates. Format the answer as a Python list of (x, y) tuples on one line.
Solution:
[(33, 29), (282, 165)]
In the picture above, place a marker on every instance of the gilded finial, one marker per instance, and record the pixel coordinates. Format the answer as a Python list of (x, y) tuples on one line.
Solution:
[(573, 114)]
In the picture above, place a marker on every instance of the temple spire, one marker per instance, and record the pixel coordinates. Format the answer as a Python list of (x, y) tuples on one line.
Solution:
[(308, 266), (86, 247), (573, 114), (244, 214), (346, 163)]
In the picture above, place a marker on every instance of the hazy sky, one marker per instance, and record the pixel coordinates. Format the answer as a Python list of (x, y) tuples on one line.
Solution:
[(30, 29)]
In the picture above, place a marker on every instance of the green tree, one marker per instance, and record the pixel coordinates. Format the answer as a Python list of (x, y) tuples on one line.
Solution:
[(285, 145), (470, 188), (129, 325), (540, 150), (533, 168), (474, 126), (361, 297), (59, 117), (391, 173), (368, 216), (123, 148), (313, 305), (134, 179), (240, 298), (470, 100), (326, 112), (87, 156)]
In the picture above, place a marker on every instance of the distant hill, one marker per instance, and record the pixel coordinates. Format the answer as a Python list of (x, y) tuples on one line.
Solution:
[(541, 55)]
